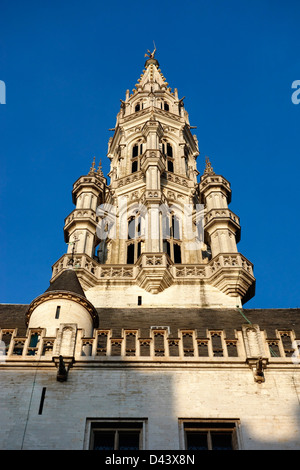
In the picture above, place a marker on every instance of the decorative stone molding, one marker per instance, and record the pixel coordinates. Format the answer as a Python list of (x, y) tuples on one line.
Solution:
[(153, 158), (215, 217), (255, 352), (65, 340), (78, 216), (231, 273), (125, 180), (95, 181), (154, 275), (215, 346), (253, 341), (176, 179)]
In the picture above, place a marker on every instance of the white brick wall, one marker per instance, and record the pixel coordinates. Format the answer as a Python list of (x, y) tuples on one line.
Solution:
[(268, 412), (177, 295)]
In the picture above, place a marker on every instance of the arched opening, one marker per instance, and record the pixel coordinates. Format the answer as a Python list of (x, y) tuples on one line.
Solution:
[(172, 239), (135, 238)]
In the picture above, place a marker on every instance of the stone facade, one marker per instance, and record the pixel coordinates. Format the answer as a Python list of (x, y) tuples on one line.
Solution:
[(142, 334)]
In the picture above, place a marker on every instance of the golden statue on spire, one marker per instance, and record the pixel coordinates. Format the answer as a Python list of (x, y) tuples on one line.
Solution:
[(151, 54)]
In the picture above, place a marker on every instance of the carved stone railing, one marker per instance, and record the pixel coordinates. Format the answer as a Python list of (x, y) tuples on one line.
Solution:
[(81, 214), (176, 178), (228, 260), (221, 213), (82, 262), (153, 273), (232, 273), (138, 175), (248, 344)]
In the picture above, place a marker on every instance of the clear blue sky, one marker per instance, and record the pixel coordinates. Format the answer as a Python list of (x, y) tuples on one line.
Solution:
[(66, 65)]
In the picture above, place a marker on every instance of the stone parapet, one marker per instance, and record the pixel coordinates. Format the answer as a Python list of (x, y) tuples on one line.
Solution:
[(231, 273)]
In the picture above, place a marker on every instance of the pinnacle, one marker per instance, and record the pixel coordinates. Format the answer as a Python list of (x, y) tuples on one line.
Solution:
[(92, 169), (94, 172), (208, 168)]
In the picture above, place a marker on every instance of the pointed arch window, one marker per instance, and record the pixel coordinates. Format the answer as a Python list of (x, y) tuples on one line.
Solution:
[(167, 149), (171, 237), (135, 238)]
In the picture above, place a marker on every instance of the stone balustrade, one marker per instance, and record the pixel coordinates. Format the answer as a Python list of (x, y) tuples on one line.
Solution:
[(81, 214), (247, 343), (202, 271), (155, 272)]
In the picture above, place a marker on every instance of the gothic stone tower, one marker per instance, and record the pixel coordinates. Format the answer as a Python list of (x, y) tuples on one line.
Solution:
[(140, 341), (155, 236)]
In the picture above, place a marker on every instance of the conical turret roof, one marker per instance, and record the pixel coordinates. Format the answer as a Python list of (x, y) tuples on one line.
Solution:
[(67, 281)]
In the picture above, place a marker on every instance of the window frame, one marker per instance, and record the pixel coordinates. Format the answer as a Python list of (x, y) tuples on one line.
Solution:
[(115, 425), (210, 426)]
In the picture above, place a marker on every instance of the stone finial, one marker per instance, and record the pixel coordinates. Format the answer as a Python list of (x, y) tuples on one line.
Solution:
[(208, 168)]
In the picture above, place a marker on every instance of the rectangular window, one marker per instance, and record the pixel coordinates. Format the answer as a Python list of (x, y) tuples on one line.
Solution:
[(130, 253), (57, 313), (210, 434), (42, 400), (116, 435)]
